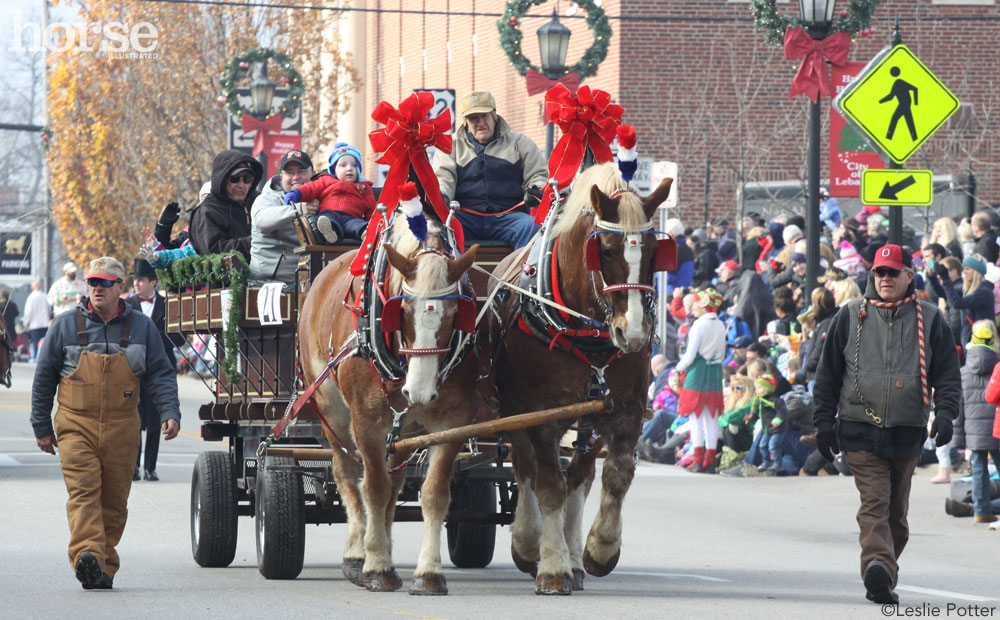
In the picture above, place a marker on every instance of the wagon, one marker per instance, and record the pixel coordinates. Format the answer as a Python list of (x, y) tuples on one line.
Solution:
[(291, 484)]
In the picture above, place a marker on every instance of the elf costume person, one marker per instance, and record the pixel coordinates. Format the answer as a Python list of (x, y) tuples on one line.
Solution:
[(701, 388)]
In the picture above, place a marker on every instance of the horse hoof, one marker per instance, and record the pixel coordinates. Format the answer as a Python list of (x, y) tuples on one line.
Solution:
[(578, 576), (524, 565), (600, 569), (430, 584), (352, 570), (383, 581), (554, 584)]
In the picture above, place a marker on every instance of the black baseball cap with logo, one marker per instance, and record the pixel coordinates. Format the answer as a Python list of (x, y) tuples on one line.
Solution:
[(298, 157)]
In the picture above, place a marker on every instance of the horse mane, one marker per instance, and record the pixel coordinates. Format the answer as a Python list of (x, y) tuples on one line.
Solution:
[(431, 273), (608, 179)]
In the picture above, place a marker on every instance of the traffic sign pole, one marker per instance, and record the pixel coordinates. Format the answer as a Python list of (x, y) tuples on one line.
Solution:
[(896, 212)]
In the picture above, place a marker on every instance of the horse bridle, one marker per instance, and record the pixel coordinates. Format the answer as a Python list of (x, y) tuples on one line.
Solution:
[(633, 242)]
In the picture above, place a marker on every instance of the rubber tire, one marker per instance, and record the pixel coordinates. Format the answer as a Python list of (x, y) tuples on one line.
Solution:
[(470, 545), (213, 510), (280, 521)]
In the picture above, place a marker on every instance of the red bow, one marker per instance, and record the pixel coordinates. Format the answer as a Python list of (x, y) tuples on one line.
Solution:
[(272, 124), (402, 144), (812, 78), (538, 83), (146, 299), (587, 119)]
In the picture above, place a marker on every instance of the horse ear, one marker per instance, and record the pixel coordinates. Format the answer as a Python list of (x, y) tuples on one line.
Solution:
[(400, 263), (606, 208), (461, 264), (656, 198)]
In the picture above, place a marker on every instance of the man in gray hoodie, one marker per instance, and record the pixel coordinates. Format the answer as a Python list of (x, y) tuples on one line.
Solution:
[(272, 233)]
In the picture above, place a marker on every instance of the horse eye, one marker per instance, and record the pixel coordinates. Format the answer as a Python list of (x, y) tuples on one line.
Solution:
[(608, 253)]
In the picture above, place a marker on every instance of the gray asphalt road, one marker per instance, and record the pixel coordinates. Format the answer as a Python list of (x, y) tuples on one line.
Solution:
[(695, 546)]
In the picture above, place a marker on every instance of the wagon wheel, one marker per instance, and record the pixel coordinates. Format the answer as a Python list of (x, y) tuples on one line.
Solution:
[(280, 519), (470, 545), (213, 510)]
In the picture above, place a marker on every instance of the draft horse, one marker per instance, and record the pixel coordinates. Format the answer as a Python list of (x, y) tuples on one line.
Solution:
[(422, 287), (600, 263)]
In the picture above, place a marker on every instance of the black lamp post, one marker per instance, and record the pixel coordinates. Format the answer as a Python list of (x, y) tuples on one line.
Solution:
[(261, 96), (553, 42), (817, 16)]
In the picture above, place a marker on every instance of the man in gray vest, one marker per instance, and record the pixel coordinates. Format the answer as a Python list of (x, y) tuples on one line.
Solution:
[(884, 356)]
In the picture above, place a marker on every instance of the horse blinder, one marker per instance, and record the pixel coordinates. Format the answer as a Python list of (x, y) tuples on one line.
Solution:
[(665, 258), (465, 317), (392, 315)]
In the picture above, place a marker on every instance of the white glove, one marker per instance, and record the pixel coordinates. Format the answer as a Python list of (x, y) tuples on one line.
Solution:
[(148, 252)]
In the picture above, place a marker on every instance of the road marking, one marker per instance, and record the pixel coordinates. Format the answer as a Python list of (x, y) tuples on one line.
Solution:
[(618, 572), (6, 461), (946, 594)]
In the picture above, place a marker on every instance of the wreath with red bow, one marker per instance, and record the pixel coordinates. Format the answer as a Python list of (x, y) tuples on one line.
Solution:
[(237, 71), (511, 37), (856, 19)]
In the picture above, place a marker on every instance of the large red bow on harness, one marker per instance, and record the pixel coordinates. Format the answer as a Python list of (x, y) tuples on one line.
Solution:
[(812, 78), (538, 83), (587, 119), (272, 124), (403, 143)]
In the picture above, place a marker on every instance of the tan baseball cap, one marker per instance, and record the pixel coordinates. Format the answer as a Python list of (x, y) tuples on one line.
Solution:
[(106, 267), (476, 102)]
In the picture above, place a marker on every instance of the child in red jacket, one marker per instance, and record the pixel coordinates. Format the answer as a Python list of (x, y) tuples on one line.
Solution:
[(346, 202)]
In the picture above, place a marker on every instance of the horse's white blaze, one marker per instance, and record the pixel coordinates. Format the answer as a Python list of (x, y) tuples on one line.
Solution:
[(573, 511), (421, 375), (527, 526), (634, 314)]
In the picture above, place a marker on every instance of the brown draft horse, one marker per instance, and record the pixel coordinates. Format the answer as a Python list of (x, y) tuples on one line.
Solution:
[(353, 406), (547, 529)]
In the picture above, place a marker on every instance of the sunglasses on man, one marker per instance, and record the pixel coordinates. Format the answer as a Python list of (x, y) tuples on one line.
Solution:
[(241, 178), (101, 282), (886, 272)]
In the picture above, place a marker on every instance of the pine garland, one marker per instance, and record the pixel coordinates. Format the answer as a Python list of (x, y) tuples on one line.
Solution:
[(766, 17), (511, 36), (214, 270), (237, 71)]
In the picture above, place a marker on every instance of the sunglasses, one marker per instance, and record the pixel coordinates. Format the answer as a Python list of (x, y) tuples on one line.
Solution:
[(886, 272), (101, 282), (241, 178), (739, 387)]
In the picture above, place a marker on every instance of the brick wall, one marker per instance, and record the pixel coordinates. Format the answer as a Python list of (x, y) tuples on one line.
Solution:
[(695, 79)]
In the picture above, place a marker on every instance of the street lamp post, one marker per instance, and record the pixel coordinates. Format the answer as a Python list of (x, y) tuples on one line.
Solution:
[(553, 42), (261, 96), (817, 16)]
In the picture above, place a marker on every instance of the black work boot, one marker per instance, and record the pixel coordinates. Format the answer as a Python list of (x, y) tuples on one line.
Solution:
[(88, 570), (878, 583), (105, 582), (956, 508)]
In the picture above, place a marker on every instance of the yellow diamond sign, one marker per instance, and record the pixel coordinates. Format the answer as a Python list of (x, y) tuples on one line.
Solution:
[(897, 187), (897, 102)]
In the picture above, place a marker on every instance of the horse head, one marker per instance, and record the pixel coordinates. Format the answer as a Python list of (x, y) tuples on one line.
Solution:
[(430, 308), (621, 254)]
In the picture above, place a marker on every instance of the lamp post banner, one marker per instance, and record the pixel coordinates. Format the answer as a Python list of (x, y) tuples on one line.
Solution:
[(850, 153)]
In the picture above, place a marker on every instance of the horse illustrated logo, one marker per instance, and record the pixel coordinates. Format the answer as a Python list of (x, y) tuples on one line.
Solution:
[(15, 246)]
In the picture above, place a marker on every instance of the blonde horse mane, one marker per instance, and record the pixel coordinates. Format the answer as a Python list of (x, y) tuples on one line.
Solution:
[(431, 271), (608, 179)]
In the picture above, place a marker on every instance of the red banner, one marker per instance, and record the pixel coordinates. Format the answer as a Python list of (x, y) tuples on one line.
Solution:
[(276, 146), (849, 153)]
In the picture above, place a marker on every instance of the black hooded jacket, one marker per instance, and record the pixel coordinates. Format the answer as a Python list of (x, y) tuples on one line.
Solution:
[(219, 224)]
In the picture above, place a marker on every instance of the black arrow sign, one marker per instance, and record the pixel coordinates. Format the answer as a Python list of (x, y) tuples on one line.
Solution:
[(889, 192)]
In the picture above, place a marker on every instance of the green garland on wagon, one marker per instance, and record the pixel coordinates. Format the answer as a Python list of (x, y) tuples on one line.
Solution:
[(767, 17), (236, 72), (212, 270), (511, 36)]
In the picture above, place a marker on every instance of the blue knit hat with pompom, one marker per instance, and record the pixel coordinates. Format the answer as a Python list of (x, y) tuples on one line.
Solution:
[(341, 149)]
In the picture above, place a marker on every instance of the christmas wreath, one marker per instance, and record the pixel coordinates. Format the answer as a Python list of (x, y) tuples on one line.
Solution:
[(856, 19), (511, 36), (237, 71)]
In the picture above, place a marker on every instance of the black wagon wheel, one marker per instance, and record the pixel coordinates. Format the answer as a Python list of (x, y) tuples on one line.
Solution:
[(213, 510), (470, 545), (280, 520)]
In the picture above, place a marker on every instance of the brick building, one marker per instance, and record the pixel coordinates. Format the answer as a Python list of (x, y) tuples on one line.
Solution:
[(693, 76)]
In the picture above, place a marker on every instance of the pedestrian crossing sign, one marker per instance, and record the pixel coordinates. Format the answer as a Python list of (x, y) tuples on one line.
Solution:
[(897, 103)]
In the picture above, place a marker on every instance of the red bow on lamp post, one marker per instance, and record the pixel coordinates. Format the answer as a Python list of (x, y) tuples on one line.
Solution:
[(812, 78), (249, 123), (586, 119), (538, 83), (403, 144)]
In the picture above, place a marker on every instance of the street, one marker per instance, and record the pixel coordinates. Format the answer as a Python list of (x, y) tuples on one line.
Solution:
[(695, 546)]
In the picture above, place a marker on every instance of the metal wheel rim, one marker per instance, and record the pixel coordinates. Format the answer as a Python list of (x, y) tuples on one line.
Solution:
[(261, 533), (196, 515)]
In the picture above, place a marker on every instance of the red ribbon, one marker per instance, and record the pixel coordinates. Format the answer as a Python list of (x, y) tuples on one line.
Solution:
[(812, 78), (272, 124), (403, 144), (538, 83), (587, 119)]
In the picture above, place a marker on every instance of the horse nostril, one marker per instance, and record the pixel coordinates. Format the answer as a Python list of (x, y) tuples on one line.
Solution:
[(434, 397), (406, 394), (619, 334)]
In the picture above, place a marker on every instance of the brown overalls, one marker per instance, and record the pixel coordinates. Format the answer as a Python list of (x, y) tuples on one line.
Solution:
[(97, 427)]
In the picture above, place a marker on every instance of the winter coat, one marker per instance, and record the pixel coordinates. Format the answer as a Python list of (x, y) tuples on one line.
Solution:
[(816, 340), (974, 426), (754, 302), (993, 398), (490, 177), (986, 246), (705, 265), (684, 274), (337, 196), (975, 306), (272, 235), (889, 377), (770, 409), (219, 224)]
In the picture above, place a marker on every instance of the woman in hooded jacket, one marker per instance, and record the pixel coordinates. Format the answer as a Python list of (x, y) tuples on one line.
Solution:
[(974, 426), (976, 300)]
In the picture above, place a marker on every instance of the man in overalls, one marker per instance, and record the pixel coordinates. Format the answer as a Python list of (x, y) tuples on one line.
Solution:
[(99, 357)]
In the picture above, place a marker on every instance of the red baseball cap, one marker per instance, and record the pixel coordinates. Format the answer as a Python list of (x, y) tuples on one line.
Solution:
[(891, 256), (729, 264)]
